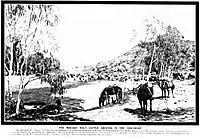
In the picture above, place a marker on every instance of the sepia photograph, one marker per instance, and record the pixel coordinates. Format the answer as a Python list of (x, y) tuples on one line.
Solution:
[(121, 63)]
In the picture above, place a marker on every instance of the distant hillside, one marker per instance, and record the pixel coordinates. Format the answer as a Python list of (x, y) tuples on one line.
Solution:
[(125, 66), (129, 62)]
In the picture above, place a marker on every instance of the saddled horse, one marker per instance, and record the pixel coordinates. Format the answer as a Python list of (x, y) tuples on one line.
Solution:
[(165, 86), (144, 93), (108, 92)]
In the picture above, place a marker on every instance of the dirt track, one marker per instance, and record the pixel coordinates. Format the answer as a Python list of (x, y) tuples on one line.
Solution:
[(178, 109)]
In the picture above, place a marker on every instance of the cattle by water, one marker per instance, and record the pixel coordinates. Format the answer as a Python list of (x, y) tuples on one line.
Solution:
[(109, 93), (144, 93)]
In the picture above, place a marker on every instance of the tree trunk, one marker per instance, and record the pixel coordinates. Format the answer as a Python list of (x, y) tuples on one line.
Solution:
[(143, 73), (149, 73), (42, 68), (9, 87), (160, 74), (169, 72), (11, 69), (21, 88)]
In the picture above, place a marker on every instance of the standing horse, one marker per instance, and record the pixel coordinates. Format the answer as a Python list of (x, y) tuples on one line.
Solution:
[(118, 92), (165, 85), (103, 97), (108, 92), (145, 93)]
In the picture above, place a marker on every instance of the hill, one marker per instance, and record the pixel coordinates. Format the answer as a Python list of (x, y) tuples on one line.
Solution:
[(129, 65)]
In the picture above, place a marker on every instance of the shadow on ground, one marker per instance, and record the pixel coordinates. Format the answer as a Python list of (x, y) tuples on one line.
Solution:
[(179, 114), (38, 99)]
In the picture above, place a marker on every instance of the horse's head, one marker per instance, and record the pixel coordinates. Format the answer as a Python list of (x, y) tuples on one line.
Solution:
[(100, 101), (102, 97), (148, 90), (135, 90)]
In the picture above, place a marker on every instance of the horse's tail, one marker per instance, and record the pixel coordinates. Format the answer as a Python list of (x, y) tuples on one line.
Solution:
[(120, 92), (173, 86)]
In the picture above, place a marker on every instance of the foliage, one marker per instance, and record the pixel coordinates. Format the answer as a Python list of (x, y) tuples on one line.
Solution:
[(56, 79), (40, 65), (10, 106), (171, 50), (172, 53), (28, 31)]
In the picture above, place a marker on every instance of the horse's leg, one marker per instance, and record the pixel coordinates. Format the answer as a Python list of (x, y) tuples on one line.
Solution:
[(117, 98), (108, 97), (165, 93), (168, 92), (141, 106), (112, 100), (144, 106), (172, 92), (150, 104)]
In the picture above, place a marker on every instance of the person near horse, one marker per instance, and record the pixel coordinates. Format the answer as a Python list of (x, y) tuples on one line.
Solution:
[(145, 93)]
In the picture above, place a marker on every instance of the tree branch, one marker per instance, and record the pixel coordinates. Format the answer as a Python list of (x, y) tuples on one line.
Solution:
[(155, 60), (29, 25), (6, 68), (37, 26), (31, 80)]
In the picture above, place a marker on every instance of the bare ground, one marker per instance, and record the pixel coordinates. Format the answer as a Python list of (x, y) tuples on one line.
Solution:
[(80, 103), (178, 109)]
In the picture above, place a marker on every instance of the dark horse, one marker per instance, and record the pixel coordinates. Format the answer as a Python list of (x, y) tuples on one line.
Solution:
[(108, 92), (165, 85), (144, 93)]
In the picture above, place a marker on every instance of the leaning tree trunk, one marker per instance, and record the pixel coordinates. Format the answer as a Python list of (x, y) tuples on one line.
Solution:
[(21, 88)]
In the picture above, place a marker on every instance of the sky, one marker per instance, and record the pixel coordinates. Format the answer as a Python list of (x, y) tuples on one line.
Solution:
[(88, 34)]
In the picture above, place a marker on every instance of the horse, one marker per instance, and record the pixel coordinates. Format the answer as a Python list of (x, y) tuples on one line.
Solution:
[(118, 91), (108, 92), (144, 93), (103, 97), (165, 85), (178, 76)]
